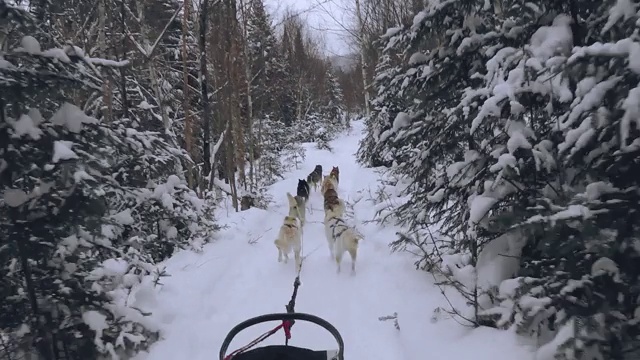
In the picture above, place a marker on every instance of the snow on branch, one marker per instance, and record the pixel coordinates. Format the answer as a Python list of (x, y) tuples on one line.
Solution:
[(212, 159), (105, 62), (222, 186), (216, 147)]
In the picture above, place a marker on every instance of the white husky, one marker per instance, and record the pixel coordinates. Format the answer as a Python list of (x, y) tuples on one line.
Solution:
[(341, 238), (289, 238), (297, 207)]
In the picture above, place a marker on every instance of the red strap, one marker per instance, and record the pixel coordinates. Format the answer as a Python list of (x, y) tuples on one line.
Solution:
[(286, 325)]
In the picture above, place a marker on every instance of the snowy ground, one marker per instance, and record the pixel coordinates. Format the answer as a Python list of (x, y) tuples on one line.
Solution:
[(238, 277)]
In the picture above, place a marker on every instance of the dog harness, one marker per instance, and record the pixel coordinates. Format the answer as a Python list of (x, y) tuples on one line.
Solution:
[(331, 200), (337, 223)]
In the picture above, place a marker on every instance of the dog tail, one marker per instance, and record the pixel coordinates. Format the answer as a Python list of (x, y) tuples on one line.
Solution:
[(357, 236)]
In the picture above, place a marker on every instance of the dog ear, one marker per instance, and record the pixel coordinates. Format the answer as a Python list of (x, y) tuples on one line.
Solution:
[(292, 200)]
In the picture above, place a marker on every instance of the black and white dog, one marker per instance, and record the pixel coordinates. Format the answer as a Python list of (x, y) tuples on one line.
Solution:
[(303, 189), (302, 197)]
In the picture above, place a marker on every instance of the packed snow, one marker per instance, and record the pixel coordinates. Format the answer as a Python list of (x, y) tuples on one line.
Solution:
[(237, 276)]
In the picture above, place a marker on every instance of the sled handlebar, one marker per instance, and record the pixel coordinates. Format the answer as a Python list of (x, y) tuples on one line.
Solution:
[(283, 317)]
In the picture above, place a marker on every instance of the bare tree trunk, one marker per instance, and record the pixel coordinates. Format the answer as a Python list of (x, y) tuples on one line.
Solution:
[(231, 173), (123, 76), (155, 84), (252, 157), (236, 73), (249, 79), (153, 74), (212, 158), (227, 72), (363, 59), (300, 100), (260, 141), (102, 44), (188, 130), (204, 80)]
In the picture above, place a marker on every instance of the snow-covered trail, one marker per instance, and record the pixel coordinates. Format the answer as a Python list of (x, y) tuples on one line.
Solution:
[(238, 277)]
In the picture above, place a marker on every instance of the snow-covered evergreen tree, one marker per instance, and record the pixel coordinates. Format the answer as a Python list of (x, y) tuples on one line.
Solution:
[(384, 107), (517, 138), (334, 101), (323, 120), (87, 207), (272, 108), (266, 62)]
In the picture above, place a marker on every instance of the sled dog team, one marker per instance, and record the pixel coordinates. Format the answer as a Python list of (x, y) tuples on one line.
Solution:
[(340, 236)]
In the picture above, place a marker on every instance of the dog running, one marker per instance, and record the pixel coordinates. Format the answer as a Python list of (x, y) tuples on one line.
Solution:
[(328, 183), (289, 238), (303, 189), (315, 177), (335, 173), (333, 204), (341, 238), (297, 207)]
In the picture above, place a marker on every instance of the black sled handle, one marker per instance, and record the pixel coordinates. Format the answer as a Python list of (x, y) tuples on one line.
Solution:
[(282, 317)]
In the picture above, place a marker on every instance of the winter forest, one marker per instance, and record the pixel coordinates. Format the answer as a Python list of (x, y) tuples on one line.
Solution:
[(502, 138)]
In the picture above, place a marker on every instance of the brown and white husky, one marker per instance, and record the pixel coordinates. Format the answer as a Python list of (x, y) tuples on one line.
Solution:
[(333, 203)]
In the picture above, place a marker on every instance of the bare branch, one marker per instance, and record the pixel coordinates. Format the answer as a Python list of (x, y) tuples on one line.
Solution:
[(164, 31)]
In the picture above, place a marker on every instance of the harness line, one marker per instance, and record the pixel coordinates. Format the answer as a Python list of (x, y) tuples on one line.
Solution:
[(290, 307)]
